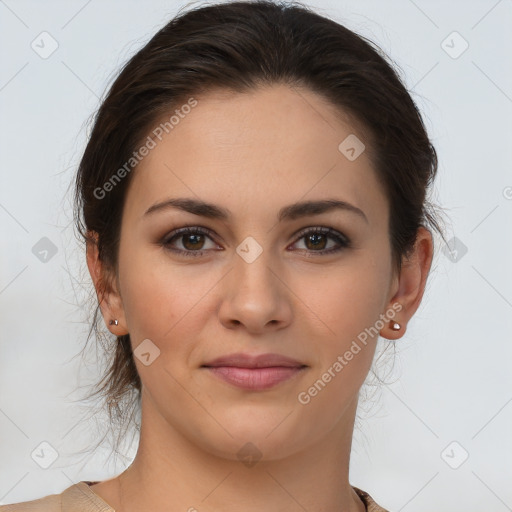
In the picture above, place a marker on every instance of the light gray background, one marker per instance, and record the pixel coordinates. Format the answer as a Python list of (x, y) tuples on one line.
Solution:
[(452, 378)]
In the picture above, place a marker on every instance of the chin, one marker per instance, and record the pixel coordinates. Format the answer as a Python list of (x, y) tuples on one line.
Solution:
[(257, 436)]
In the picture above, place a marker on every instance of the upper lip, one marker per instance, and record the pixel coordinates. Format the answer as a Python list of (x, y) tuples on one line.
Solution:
[(242, 360)]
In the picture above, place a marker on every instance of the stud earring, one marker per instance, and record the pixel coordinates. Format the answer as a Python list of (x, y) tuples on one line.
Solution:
[(114, 322), (396, 326)]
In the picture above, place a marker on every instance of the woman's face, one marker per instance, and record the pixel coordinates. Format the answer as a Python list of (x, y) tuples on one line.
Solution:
[(263, 278)]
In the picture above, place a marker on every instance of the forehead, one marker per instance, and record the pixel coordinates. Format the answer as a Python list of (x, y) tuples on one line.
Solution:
[(256, 151)]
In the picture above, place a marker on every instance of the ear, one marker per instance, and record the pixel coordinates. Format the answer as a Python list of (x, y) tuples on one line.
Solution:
[(410, 286), (109, 298)]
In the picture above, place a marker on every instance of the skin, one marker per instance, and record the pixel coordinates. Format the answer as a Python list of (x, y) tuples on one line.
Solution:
[(252, 154)]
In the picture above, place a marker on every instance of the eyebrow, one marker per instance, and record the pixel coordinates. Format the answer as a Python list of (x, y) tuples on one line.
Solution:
[(290, 212)]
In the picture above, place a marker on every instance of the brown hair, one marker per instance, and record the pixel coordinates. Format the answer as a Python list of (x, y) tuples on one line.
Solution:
[(240, 46)]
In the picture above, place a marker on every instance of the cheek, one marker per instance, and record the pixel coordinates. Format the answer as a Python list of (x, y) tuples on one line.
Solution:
[(345, 306), (349, 304), (346, 300), (162, 301)]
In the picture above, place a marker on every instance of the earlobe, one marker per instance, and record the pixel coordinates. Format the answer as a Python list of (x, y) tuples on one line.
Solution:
[(393, 330)]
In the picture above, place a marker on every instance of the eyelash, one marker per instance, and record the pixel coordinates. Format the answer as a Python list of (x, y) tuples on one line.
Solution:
[(343, 241)]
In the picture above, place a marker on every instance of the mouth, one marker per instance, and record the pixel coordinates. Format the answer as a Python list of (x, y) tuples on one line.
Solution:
[(254, 372), (256, 379)]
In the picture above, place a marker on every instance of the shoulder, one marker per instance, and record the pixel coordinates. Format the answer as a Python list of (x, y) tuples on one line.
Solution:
[(369, 502), (77, 498), (51, 503)]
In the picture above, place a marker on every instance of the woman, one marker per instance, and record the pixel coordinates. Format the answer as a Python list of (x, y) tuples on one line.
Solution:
[(253, 202)]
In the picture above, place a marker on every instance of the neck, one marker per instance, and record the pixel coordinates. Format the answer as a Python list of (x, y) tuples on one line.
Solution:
[(170, 472)]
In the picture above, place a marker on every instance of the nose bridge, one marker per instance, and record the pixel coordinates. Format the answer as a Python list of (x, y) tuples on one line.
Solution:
[(255, 296), (253, 265)]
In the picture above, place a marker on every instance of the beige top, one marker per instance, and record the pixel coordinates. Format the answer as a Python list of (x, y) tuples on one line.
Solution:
[(81, 498)]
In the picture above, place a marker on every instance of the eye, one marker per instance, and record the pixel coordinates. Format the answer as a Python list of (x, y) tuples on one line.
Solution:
[(316, 240), (192, 240)]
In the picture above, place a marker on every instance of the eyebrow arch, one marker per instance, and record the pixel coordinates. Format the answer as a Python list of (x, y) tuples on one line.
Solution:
[(290, 212)]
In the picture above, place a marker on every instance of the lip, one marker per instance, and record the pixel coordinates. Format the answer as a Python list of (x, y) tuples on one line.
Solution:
[(242, 360), (255, 379), (255, 373)]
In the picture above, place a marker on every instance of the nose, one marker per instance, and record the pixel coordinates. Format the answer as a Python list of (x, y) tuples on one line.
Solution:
[(255, 296)]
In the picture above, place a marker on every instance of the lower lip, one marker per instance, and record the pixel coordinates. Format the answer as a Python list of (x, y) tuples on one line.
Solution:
[(254, 378)]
